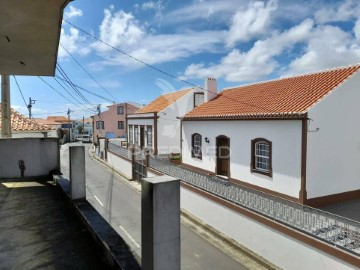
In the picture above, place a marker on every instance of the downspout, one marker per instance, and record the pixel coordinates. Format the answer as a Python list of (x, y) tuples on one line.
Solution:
[(303, 193), (155, 134)]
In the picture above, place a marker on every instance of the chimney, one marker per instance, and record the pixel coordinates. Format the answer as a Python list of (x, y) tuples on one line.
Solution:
[(210, 87)]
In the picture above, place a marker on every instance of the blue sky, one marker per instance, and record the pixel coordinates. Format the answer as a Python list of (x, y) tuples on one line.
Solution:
[(235, 41)]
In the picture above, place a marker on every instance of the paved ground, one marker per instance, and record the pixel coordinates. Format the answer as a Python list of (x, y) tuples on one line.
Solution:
[(38, 232), (119, 203), (350, 209)]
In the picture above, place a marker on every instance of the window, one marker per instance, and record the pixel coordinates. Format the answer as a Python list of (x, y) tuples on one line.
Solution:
[(120, 109), (261, 156), (100, 125), (136, 135), (131, 135), (149, 137), (196, 146), (120, 124), (198, 99)]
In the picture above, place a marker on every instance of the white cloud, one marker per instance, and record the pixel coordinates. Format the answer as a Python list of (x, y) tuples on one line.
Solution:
[(328, 46), (357, 30), (335, 13), (73, 12), (72, 42), (152, 5), (122, 30), (252, 22), (203, 10), (258, 61)]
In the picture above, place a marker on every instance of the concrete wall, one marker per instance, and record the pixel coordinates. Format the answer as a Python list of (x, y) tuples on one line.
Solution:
[(276, 247), (285, 136), (40, 156), (333, 152), (120, 164)]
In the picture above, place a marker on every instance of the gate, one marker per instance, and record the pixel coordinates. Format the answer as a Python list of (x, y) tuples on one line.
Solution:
[(139, 166)]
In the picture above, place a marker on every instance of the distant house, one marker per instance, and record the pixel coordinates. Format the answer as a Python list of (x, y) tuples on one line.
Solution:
[(297, 137), (157, 125), (112, 123), (23, 127), (82, 126), (65, 125)]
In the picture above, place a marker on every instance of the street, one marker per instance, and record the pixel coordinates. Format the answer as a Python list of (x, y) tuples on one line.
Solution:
[(119, 202)]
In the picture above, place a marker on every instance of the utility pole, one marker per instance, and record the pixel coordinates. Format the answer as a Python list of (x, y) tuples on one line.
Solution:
[(5, 107), (68, 113), (83, 125), (29, 106), (99, 112)]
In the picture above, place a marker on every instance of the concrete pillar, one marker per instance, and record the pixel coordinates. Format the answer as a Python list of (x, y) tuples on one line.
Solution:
[(77, 172), (160, 223), (5, 107)]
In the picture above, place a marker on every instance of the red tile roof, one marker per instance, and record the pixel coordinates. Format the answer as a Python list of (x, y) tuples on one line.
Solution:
[(163, 101), (285, 97), (59, 119), (22, 123)]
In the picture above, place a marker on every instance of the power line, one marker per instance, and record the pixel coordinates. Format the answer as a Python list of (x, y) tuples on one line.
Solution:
[(20, 90), (87, 72), (159, 70), (26, 105), (88, 91), (60, 93), (66, 77)]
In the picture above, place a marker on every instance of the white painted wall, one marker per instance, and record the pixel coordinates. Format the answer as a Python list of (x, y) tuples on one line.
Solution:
[(40, 156), (120, 164), (24, 134), (169, 125), (333, 152), (276, 247), (285, 136), (140, 122)]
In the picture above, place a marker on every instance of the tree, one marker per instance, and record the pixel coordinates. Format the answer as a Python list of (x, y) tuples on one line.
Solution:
[(80, 129)]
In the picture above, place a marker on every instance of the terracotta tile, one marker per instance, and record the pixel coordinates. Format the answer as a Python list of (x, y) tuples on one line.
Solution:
[(285, 96), (163, 101)]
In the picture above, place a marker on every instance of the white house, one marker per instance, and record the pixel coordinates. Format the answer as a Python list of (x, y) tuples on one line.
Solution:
[(297, 137), (157, 126)]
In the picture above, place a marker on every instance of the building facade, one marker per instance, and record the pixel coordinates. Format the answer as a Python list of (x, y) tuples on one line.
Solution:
[(293, 137), (157, 126), (112, 123)]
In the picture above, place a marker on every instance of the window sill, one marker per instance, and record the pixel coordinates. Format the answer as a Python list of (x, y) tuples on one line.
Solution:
[(269, 174)]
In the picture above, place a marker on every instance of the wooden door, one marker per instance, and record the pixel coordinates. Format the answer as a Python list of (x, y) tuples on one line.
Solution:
[(223, 156)]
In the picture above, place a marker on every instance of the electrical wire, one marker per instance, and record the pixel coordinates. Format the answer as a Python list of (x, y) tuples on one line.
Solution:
[(61, 93), (88, 91), (88, 73), (66, 77), (162, 71), (20, 90)]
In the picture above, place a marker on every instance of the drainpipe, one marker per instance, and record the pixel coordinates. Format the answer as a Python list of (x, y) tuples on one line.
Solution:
[(5, 107)]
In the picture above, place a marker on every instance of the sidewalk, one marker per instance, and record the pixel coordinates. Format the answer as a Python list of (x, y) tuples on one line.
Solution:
[(38, 232)]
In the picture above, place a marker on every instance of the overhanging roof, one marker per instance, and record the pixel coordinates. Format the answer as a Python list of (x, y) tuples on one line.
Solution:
[(29, 36)]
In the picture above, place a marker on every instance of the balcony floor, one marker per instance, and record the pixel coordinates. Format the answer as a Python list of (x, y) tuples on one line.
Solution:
[(37, 231)]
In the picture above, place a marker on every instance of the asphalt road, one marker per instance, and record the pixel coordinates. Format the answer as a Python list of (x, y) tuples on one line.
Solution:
[(120, 204)]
